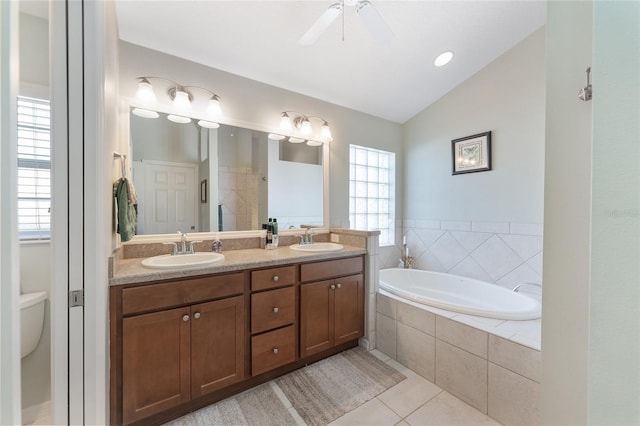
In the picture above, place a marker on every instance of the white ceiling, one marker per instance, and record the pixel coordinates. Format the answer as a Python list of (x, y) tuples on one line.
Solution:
[(395, 81)]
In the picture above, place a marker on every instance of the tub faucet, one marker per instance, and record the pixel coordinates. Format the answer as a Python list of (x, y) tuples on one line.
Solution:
[(407, 261), (517, 288)]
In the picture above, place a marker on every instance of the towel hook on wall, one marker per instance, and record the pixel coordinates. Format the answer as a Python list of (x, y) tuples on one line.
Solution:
[(586, 93), (123, 159)]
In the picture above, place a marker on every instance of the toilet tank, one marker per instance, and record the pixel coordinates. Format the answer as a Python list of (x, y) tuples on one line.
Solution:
[(31, 320)]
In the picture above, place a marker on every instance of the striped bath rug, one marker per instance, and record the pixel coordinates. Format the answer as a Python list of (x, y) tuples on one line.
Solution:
[(328, 389)]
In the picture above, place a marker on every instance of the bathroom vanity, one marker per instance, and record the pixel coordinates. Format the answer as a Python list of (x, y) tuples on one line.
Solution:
[(185, 339)]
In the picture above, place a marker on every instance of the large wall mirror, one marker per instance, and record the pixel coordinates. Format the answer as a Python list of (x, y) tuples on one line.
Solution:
[(230, 178)]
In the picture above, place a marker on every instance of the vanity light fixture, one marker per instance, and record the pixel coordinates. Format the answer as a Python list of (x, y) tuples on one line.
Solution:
[(443, 59), (181, 98), (302, 122)]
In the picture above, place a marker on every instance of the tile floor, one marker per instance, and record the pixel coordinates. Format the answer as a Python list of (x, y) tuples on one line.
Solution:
[(414, 401)]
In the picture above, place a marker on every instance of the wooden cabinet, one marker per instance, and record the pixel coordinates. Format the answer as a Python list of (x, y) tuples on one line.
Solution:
[(273, 318), (179, 345), (331, 310), (174, 355)]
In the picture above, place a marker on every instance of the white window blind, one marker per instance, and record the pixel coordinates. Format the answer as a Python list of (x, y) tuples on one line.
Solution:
[(34, 168), (372, 191)]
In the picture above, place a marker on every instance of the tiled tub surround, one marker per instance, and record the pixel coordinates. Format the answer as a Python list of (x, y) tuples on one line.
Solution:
[(504, 253), (493, 365)]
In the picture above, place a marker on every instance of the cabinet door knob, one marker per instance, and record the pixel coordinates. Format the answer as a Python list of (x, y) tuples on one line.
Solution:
[(276, 309), (338, 285), (275, 350), (332, 286), (276, 278), (196, 315), (185, 318)]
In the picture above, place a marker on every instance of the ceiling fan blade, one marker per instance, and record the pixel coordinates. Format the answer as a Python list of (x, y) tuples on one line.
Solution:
[(374, 22), (323, 22)]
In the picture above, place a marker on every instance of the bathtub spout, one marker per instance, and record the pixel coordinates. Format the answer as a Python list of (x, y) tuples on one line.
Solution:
[(517, 288)]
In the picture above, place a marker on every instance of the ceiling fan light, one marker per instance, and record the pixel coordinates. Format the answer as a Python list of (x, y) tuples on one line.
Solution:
[(181, 100), (320, 25), (213, 108), (285, 122), (146, 113), (145, 93), (178, 119), (443, 59), (208, 124)]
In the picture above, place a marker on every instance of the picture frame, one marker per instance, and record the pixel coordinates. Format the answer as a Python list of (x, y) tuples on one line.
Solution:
[(203, 191), (471, 154)]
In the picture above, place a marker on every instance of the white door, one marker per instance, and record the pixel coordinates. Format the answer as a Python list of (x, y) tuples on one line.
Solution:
[(168, 197)]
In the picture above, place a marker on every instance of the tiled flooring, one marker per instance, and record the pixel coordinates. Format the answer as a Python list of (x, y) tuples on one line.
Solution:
[(414, 401)]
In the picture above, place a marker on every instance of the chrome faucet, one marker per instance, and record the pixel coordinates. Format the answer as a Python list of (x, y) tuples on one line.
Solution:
[(184, 239), (307, 237), (517, 288), (406, 261)]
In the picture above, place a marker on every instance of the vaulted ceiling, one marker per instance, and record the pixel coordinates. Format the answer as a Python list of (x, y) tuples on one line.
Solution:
[(346, 66)]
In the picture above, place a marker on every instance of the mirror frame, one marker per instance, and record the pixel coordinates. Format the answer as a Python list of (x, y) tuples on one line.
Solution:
[(126, 104)]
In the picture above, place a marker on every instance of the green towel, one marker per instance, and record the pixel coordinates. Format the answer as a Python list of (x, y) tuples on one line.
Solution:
[(126, 211)]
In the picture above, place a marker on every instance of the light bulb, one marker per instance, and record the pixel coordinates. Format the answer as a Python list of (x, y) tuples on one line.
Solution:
[(285, 121), (325, 132), (145, 92), (213, 108), (305, 127), (181, 100)]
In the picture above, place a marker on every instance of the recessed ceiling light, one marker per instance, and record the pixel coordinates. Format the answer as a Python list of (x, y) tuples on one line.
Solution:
[(443, 59)]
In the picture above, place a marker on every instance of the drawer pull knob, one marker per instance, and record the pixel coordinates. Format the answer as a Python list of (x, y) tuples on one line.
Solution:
[(196, 315), (338, 285), (185, 318), (275, 350), (276, 309), (276, 278), (332, 286)]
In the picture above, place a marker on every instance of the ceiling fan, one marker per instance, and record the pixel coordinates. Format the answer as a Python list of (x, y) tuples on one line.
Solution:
[(370, 17)]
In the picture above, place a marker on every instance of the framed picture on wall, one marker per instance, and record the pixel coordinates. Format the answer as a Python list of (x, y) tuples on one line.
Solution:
[(203, 191), (471, 154)]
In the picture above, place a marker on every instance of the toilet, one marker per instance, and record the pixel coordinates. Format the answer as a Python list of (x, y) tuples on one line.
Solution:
[(31, 320)]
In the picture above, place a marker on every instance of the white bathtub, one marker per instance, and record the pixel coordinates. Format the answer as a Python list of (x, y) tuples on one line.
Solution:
[(459, 294)]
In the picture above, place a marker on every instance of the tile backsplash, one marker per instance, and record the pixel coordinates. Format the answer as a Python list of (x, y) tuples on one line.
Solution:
[(504, 253)]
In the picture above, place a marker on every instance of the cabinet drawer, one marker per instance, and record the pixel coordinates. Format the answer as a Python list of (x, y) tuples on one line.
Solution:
[(273, 277), (158, 296), (273, 309), (331, 268), (273, 349)]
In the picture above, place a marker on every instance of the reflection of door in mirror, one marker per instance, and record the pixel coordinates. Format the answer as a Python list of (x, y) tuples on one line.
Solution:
[(168, 199)]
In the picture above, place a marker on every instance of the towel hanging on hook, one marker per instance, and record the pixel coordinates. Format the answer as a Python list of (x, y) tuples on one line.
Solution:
[(123, 162)]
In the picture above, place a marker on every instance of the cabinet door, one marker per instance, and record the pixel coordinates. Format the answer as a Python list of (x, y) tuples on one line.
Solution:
[(349, 309), (316, 317), (217, 345), (155, 364)]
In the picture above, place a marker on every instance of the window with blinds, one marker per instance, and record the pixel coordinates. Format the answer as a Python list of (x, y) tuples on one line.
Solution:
[(34, 168), (372, 191)]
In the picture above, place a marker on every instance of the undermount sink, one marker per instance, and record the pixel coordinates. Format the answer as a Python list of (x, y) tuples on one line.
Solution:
[(167, 261), (317, 247)]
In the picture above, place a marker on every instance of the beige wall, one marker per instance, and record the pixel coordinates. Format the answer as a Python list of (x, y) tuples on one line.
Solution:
[(249, 101), (565, 313), (507, 98)]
